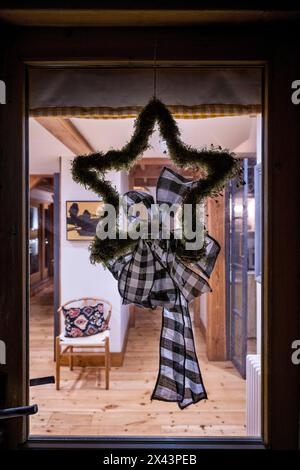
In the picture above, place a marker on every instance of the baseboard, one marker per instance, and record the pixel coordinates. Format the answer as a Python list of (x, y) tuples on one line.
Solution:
[(116, 358), (93, 361)]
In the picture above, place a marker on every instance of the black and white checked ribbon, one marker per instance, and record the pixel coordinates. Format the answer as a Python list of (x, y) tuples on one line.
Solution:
[(151, 276)]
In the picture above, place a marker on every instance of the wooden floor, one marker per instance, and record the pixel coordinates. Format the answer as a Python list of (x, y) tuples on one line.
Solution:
[(84, 408)]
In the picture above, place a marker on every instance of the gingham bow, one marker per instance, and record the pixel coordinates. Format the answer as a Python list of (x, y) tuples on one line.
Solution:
[(152, 275)]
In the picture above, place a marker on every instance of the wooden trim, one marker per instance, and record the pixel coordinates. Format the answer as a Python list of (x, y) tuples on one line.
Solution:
[(14, 274), (125, 341), (196, 311), (280, 277), (153, 161), (34, 181), (216, 343), (67, 133), (52, 46), (93, 360), (132, 314), (142, 15), (173, 443), (42, 274)]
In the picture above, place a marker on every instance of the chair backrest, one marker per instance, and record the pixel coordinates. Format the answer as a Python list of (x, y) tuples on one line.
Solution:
[(82, 302)]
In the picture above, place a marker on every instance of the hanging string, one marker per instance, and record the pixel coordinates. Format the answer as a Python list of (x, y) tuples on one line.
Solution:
[(155, 68)]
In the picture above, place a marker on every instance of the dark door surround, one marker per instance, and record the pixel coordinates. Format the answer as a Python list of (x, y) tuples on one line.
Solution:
[(281, 159)]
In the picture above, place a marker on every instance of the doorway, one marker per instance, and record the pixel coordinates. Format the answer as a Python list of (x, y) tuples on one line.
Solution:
[(41, 242)]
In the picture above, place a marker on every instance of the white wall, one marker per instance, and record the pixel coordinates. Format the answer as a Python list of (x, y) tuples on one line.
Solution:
[(79, 278)]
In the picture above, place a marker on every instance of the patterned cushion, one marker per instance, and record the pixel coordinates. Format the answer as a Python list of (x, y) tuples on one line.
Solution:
[(84, 321)]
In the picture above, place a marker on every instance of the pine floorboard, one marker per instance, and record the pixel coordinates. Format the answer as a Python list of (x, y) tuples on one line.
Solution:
[(84, 408)]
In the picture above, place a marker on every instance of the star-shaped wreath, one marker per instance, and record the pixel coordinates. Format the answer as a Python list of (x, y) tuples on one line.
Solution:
[(153, 273), (218, 164)]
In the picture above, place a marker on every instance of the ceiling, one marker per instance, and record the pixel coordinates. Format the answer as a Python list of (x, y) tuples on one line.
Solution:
[(229, 132), (45, 149)]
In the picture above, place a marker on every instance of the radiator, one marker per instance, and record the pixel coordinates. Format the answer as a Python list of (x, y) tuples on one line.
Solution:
[(253, 377)]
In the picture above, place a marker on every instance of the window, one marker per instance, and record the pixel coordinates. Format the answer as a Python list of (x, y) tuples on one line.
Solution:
[(226, 322)]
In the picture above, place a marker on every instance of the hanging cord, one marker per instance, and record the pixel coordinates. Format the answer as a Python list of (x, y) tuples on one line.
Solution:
[(155, 68)]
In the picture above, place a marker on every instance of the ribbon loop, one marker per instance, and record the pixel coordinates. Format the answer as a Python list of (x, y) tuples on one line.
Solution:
[(171, 187), (136, 197), (137, 276)]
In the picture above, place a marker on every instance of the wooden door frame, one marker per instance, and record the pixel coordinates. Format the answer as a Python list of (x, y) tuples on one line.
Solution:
[(213, 45), (43, 273), (38, 276)]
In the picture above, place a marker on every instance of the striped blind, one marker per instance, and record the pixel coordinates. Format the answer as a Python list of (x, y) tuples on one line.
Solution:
[(114, 93)]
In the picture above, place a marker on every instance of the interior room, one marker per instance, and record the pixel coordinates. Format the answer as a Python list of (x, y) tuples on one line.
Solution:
[(110, 393)]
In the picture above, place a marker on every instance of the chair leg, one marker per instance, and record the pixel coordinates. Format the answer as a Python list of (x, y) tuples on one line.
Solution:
[(71, 358), (57, 350), (107, 363)]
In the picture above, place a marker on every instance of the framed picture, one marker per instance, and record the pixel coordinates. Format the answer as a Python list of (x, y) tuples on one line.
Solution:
[(82, 218)]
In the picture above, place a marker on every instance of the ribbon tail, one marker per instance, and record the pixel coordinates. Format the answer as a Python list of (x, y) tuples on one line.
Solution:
[(179, 378)]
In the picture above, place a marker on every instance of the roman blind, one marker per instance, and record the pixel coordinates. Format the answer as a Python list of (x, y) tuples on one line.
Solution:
[(104, 93)]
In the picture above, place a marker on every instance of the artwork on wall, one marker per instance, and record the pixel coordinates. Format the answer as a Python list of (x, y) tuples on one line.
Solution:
[(82, 219)]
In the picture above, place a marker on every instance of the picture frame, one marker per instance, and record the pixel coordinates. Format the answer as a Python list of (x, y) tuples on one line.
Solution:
[(82, 218)]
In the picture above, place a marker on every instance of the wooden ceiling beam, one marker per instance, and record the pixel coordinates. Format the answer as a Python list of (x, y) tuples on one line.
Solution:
[(153, 161), (142, 182), (152, 170), (67, 133), (146, 172), (34, 181), (43, 182)]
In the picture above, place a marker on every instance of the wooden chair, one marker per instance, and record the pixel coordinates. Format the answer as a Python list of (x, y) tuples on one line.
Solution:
[(85, 345)]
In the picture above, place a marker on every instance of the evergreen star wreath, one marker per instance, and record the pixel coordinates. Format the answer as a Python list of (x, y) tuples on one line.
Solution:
[(218, 164)]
